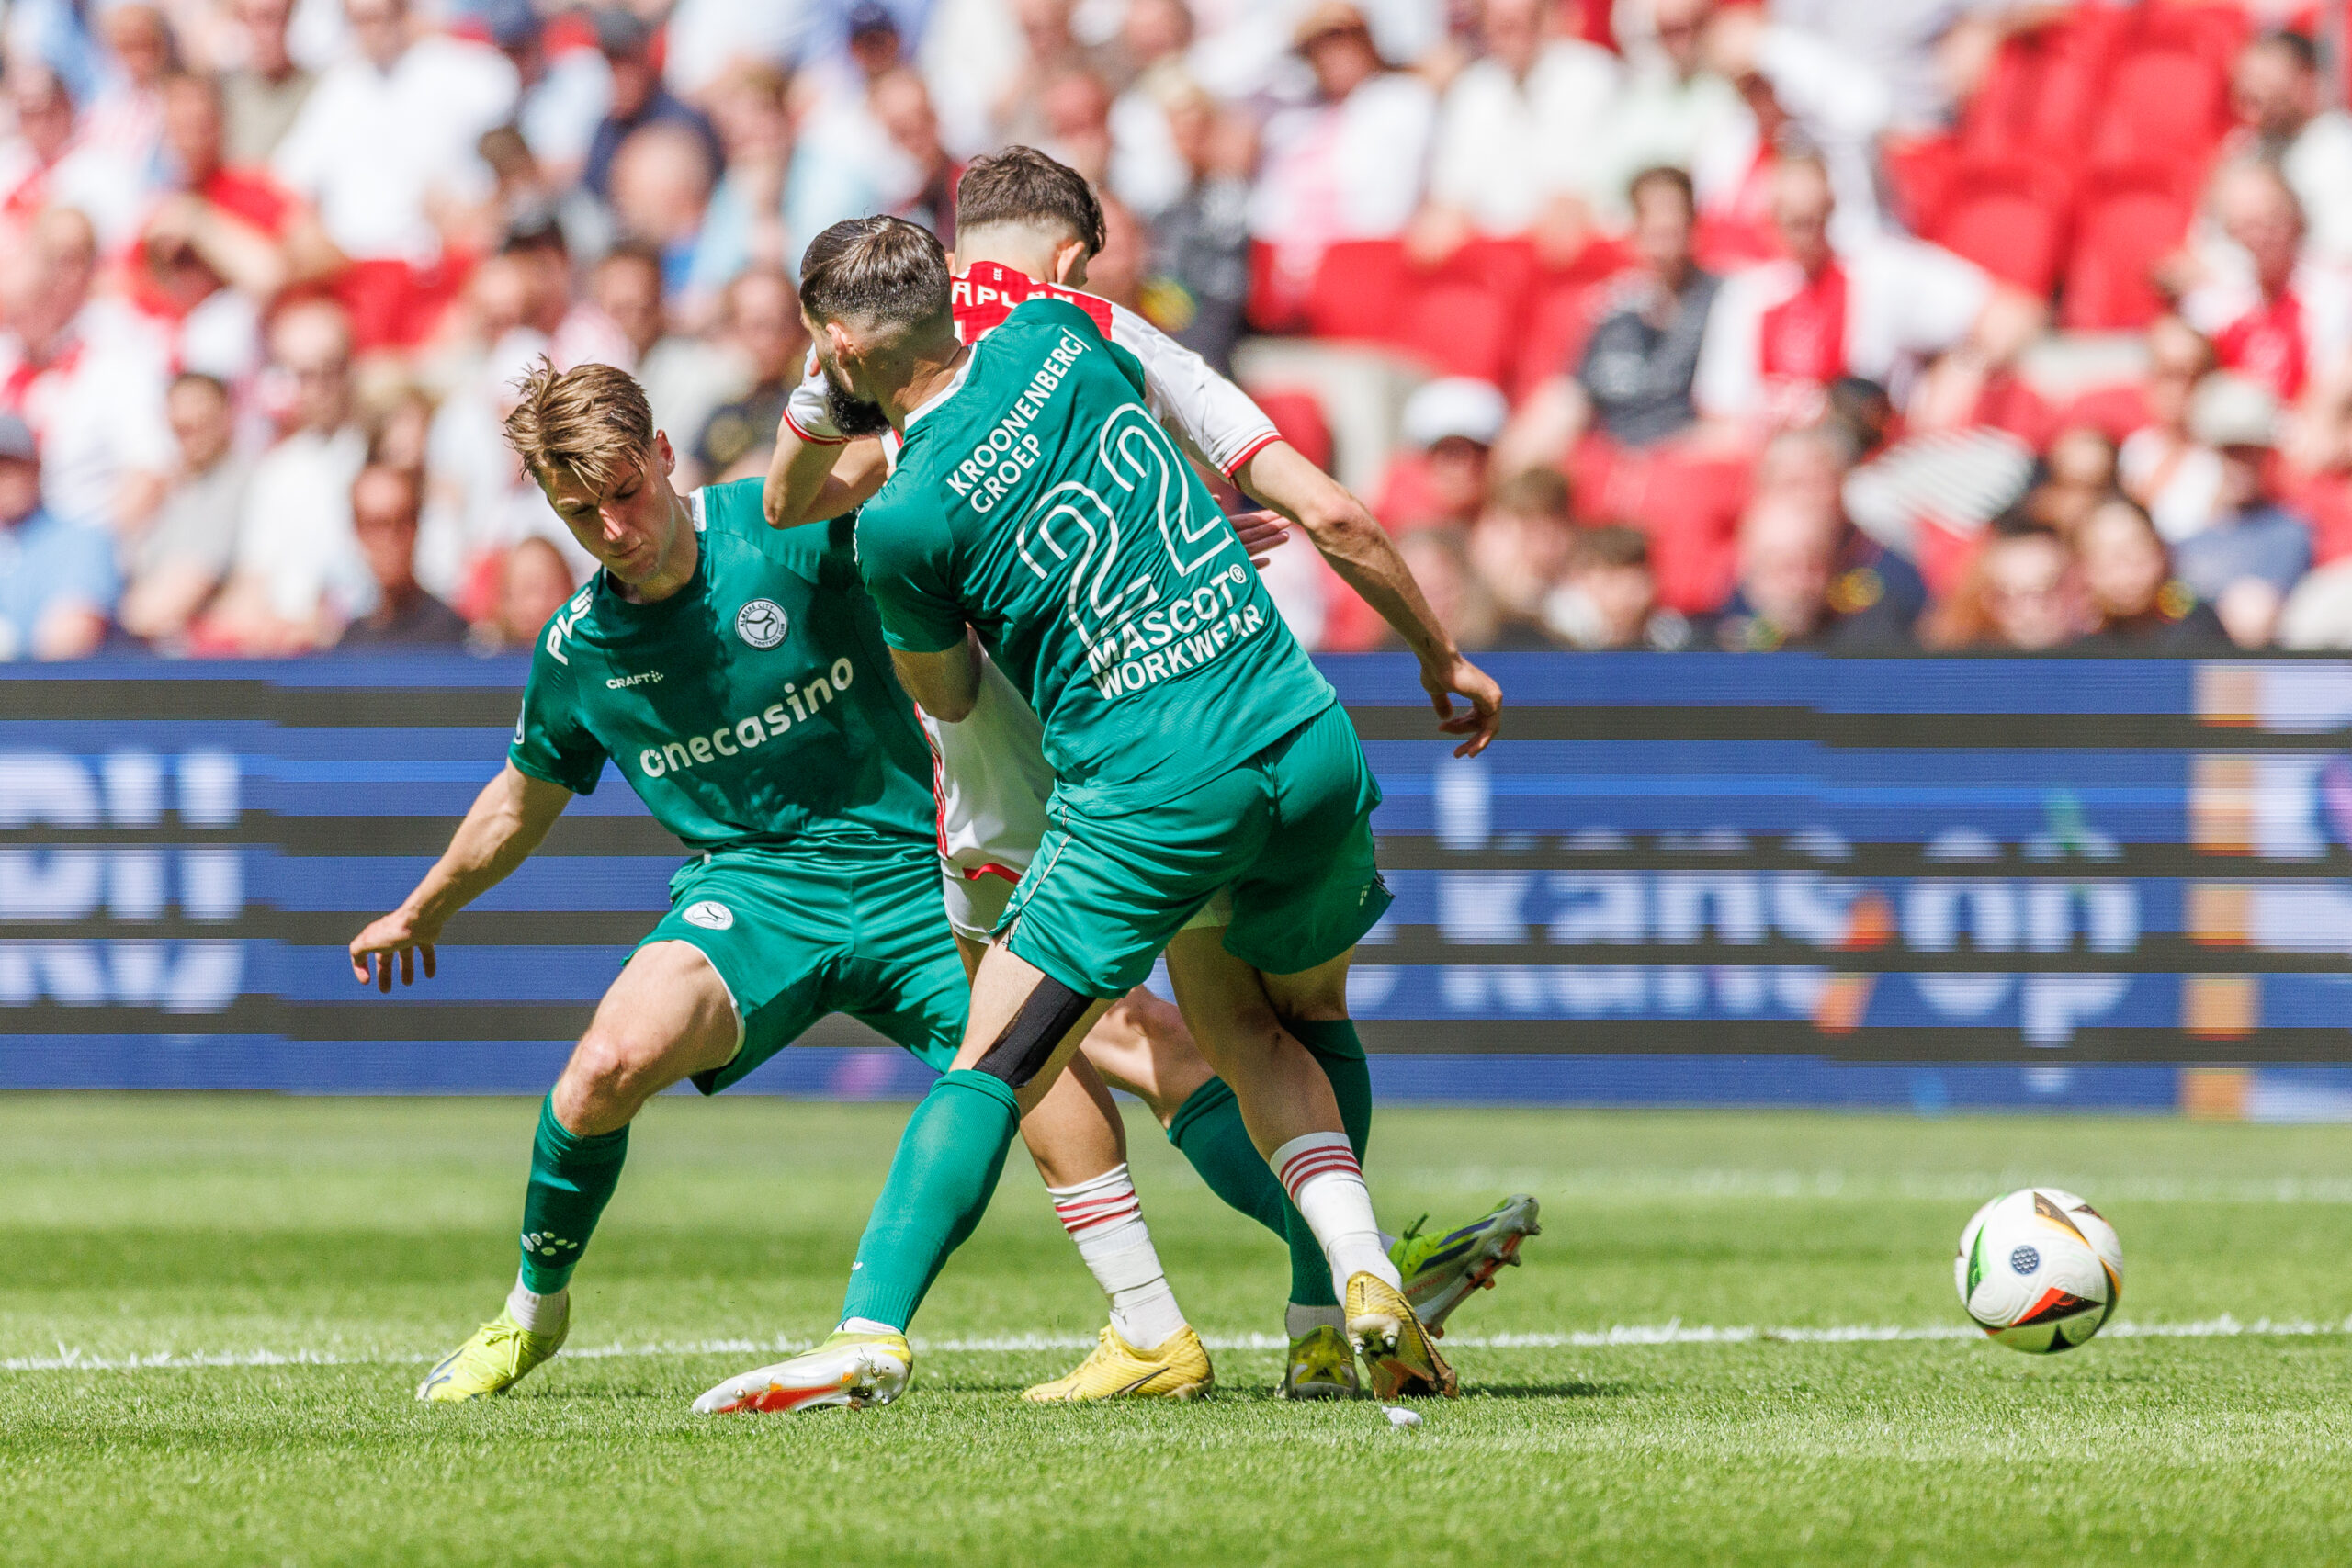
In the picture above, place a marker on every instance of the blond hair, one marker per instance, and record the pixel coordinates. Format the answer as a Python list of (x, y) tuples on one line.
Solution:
[(590, 422)]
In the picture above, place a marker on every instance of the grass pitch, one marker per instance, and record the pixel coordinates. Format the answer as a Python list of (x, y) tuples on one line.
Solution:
[(369, 1236)]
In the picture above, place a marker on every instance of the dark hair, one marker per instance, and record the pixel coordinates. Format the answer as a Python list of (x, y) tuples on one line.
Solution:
[(1614, 545), (1021, 185), (2299, 45), (637, 252), (875, 269), (1532, 492), (1677, 180)]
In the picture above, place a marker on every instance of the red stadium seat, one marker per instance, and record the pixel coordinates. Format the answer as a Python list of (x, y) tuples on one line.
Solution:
[(2162, 105), (2009, 218), (2038, 98), (1465, 315), (2130, 219), (1358, 291)]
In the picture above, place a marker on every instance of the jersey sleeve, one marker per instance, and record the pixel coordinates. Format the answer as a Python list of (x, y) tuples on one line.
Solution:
[(550, 742), (1215, 417), (903, 560)]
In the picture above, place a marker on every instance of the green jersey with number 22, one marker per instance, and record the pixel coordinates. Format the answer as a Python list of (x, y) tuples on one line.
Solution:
[(1038, 501)]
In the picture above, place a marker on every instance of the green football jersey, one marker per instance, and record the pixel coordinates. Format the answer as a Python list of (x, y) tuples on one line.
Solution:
[(1039, 501), (754, 706)]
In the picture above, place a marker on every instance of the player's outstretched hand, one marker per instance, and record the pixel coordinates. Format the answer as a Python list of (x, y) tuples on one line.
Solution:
[(1261, 532), (393, 938), (1444, 680)]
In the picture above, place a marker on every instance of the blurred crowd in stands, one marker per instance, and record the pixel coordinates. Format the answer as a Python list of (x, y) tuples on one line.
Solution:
[(2003, 325)]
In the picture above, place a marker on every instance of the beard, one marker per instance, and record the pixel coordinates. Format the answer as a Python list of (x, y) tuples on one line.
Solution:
[(853, 416)]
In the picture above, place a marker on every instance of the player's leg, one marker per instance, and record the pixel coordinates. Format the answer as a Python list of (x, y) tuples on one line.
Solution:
[(1078, 1143), (667, 1017)]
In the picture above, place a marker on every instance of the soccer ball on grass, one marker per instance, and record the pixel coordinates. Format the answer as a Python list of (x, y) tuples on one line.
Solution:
[(2039, 1269)]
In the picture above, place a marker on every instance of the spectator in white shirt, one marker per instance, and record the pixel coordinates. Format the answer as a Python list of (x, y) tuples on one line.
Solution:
[(2161, 466), (86, 375), (1519, 134), (385, 150), (1779, 334), (2275, 87), (45, 164), (298, 575), (1351, 165)]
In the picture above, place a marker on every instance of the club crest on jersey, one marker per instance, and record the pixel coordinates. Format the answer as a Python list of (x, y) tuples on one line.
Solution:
[(709, 916), (762, 623)]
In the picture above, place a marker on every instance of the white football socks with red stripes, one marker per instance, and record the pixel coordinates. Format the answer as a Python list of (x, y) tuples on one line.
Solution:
[(1103, 1217), (1320, 1173)]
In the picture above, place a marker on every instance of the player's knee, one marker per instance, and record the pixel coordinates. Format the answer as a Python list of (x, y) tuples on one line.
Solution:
[(611, 1061), (1026, 1043)]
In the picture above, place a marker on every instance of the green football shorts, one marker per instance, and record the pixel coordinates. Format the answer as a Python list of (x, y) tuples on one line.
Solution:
[(1289, 832), (795, 936)]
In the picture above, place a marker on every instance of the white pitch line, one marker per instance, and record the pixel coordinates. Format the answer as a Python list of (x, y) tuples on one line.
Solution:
[(1673, 1332)]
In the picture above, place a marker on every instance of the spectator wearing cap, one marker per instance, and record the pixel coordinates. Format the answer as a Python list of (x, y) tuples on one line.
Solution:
[(1633, 376), (2245, 561), (2275, 89), (385, 503), (1517, 136), (1607, 598), (638, 98), (86, 375), (180, 561), (2161, 466), (2140, 606), (1519, 548), (263, 97), (297, 574), (1449, 427), (57, 579), (385, 149), (1780, 333), (1349, 165), (2020, 595)]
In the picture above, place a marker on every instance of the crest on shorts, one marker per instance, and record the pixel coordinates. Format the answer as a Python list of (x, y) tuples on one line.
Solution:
[(762, 623), (708, 914)]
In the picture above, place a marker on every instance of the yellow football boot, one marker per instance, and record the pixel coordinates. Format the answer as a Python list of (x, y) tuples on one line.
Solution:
[(1322, 1365), (1177, 1368), (495, 1359), (1397, 1350)]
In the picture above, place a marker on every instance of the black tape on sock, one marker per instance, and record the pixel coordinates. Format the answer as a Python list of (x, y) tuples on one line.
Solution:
[(1020, 1053)]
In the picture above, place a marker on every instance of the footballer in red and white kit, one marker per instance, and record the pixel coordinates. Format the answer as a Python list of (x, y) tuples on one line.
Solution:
[(992, 778)]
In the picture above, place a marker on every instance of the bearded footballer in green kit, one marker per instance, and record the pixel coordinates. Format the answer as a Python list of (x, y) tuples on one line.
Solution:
[(1037, 505)]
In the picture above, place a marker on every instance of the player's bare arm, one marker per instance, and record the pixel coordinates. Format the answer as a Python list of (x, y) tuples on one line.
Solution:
[(946, 684), (1359, 550), (505, 823), (813, 481)]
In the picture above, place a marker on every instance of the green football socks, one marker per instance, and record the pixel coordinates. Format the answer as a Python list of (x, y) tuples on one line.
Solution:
[(940, 1182), (1207, 1130), (572, 1180)]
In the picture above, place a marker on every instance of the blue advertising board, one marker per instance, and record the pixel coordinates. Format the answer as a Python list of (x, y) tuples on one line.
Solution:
[(1781, 879)]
